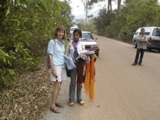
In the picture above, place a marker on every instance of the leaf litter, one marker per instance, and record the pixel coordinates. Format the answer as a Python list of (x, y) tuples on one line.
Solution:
[(28, 98)]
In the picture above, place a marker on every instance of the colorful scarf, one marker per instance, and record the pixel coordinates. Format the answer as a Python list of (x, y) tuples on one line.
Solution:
[(89, 78), (76, 44)]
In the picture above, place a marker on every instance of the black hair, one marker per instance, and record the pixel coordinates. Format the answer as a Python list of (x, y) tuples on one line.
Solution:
[(78, 31), (142, 29)]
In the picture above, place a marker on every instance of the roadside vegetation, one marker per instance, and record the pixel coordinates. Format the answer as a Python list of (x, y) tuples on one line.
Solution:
[(26, 26), (120, 23)]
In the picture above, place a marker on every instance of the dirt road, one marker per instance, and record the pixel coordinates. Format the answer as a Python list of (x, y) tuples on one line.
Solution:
[(123, 92)]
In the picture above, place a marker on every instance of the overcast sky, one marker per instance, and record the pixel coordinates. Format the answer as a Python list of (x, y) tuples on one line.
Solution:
[(78, 9)]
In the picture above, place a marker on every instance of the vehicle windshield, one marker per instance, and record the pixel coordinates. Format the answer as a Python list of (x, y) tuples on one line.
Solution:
[(156, 32), (87, 36), (72, 29), (147, 31)]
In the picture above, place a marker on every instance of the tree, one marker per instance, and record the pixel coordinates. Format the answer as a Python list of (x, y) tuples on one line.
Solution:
[(87, 7), (88, 4), (26, 27), (109, 5), (103, 20), (67, 16), (81, 23), (129, 18), (119, 4)]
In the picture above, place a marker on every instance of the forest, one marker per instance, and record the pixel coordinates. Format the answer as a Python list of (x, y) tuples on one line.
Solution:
[(26, 27), (120, 23)]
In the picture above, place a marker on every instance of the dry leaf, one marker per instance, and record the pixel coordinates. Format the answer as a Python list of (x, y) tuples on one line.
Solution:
[(28, 97)]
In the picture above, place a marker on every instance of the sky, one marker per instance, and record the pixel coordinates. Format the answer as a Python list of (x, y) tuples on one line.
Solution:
[(78, 9)]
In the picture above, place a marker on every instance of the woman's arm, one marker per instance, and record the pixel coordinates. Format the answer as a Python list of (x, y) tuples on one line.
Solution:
[(53, 71), (50, 50)]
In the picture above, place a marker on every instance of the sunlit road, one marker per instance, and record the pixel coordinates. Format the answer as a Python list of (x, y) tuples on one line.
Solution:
[(123, 91)]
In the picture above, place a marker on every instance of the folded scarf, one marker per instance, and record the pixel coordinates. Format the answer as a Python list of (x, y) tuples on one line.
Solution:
[(90, 78)]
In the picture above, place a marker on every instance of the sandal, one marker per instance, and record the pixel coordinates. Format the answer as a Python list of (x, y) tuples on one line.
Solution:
[(71, 103), (59, 105), (55, 110), (81, 103)]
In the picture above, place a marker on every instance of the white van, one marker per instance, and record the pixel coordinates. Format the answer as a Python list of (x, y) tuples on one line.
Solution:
[(73, 28), (153, 37)]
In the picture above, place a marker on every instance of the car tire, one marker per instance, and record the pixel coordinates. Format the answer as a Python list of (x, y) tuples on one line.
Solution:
[(97, 53), (148, 49)]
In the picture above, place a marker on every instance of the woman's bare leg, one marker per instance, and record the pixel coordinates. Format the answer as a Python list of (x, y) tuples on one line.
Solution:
[(55, 93)]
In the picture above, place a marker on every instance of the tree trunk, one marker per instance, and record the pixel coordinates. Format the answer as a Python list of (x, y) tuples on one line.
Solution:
[(86, 8), (109, 5), (86, 15), (119, 4), (2, 13), (118, 7)]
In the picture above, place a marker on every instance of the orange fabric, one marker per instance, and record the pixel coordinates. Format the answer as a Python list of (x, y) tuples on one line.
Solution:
[(89, 79)]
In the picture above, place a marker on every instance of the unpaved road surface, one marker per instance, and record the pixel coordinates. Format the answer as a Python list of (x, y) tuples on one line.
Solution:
[(122, 91)]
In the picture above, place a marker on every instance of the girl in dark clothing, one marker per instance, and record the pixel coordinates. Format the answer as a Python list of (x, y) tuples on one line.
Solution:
[(72, 51)]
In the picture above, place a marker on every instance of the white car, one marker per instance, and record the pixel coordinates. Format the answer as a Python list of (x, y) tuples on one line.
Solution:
[(89, 42), (153, 37)]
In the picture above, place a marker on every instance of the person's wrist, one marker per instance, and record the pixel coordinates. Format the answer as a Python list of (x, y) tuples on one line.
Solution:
[(53, 70)]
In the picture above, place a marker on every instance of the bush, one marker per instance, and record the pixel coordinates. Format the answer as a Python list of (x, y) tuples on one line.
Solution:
[(26, 28), (129, 18)]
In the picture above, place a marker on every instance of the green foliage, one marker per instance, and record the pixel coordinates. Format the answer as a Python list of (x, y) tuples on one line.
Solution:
[(132, 15), (104, 19), (81, 24), (26, 27)]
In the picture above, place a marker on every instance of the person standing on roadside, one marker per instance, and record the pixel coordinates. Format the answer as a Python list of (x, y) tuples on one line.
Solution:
[(76, 74), (142, 45), (57, 69)]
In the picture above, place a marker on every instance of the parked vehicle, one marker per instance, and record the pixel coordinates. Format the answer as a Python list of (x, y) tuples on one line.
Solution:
[(89, 42), (153, 37), (73, 28)]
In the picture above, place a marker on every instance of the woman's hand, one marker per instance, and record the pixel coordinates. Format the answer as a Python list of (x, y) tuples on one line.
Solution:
[(68, 54), (54, 73)]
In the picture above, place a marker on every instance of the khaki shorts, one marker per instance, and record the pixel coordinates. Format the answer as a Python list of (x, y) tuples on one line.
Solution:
[(61, 74)]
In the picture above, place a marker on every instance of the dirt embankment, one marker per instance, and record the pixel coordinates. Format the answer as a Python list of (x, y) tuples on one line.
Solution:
[(28, 97)]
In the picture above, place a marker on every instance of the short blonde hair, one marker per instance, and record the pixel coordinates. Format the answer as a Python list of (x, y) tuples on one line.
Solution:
[(60, 28)]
